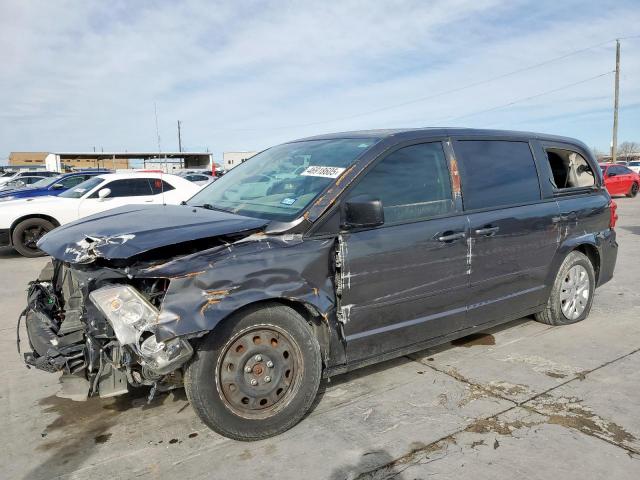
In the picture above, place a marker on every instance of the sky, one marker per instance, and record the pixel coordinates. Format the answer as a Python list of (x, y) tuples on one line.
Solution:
[(75, 75)]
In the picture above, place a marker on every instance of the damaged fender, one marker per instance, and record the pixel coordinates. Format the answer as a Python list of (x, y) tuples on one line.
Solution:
[(207, 287)]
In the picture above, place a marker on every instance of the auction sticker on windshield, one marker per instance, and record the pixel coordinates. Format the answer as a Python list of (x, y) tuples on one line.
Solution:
[(320, 171)]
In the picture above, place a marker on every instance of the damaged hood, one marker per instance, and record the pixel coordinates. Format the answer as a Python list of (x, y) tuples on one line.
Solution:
[(127, 231)]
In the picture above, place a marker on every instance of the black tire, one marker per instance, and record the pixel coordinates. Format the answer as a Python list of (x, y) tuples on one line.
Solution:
[(217, 361), (633, 191), (27, 233), (553, 313)]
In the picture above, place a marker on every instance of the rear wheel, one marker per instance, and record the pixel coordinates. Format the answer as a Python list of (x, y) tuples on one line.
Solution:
[(256, 375), (572, 292), (26, 234), (633, 191)]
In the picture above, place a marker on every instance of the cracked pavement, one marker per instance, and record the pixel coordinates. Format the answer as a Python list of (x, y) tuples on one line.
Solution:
[(523, 400)]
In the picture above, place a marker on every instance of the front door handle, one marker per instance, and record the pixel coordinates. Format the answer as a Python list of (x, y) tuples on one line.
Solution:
[(450, 237), (487, 231)]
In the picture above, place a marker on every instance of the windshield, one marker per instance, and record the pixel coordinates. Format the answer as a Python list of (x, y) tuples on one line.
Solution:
[(45, 182), (82, 188), (280, 182)]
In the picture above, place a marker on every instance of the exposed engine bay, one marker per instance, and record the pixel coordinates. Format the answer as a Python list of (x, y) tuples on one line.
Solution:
[(100, 334)]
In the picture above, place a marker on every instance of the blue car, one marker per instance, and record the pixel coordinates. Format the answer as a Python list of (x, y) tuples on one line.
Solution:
[(52, 185)]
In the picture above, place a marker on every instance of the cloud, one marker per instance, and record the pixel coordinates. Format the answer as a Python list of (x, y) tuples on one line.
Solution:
[(245, 75)]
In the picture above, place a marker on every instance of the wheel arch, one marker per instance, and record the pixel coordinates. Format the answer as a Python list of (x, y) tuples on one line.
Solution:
[(21, 219), (587, 245), (318, 322), (592, 253)]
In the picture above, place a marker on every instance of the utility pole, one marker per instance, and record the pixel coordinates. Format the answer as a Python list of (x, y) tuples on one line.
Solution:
[(614, 141), (179, 138)]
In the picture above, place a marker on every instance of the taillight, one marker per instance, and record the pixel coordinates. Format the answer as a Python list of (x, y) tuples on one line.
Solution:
[(613, 214)]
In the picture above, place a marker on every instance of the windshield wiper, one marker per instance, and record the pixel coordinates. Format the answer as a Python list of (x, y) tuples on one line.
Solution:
[(208, 206)]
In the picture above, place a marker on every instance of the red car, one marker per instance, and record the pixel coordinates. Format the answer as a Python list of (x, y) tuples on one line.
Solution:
[(619, 180)]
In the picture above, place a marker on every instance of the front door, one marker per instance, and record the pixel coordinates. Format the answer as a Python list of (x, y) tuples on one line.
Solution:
[(405, 281)]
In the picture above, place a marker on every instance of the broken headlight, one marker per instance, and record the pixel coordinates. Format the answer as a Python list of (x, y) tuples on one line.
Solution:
[(128, 312), (130, 315)]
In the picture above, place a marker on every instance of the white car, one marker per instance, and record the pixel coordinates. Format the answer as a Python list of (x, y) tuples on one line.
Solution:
[(634, 165), (24, 221)]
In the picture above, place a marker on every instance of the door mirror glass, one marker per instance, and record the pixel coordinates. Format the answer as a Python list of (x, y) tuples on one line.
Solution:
[(103, 193), (611, 174), (58, 186), (362, 211)]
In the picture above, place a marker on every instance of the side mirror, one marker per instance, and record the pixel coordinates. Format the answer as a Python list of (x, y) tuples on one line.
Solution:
[(57, 186), (362, 211), (102, 194), (611, 174)]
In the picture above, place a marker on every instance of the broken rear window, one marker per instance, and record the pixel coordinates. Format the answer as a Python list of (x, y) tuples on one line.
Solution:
[(279, 183)]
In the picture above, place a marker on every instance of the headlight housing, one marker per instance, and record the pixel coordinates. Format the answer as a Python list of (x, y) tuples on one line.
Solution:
[(128, 312), (130, 315)]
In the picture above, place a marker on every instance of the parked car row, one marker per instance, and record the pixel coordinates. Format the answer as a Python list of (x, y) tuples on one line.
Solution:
[(26, 215), (50, 186)]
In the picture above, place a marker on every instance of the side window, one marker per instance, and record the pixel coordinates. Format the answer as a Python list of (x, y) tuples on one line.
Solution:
[(413, 183), (131, 187), (496, 173), (158, 186), (569, 169)]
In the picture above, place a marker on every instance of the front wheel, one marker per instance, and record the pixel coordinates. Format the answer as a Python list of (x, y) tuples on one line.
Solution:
[(633, 191), (572, 292), (256, 375), (26, 234)]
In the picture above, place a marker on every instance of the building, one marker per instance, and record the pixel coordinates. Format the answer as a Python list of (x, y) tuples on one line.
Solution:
[(233, 159), (65, 161), (621, 157)]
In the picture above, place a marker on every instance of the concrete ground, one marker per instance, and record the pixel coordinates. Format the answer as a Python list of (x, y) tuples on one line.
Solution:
[(522, 401)]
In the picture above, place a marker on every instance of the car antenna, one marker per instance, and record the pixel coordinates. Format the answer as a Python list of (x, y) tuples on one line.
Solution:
[(162, 187)]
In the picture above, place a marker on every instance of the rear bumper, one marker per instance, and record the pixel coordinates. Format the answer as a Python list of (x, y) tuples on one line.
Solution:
[(608, 256), (5, 237)]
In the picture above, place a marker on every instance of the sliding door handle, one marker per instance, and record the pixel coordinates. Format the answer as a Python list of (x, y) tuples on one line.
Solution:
[(487, 231), (450, 237)]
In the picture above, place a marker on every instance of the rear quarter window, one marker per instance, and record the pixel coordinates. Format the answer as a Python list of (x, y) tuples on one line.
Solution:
[(497, 173)]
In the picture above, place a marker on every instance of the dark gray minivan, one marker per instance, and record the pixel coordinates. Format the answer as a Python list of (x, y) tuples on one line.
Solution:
[(316, 257)]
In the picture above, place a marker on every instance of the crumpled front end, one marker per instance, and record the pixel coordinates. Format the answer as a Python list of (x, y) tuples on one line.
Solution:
[(97, 327)]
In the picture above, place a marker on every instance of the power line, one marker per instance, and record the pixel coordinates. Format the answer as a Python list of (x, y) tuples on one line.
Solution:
[(442, 93), (531, 97)]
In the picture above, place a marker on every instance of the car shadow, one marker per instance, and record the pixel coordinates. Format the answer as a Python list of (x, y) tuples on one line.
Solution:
[(477, 338), (8, 252)]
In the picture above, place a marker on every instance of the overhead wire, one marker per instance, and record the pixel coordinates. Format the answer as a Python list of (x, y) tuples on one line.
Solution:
[(530, 97), (441, 93)]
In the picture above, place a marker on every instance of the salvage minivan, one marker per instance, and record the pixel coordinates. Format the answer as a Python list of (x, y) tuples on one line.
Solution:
[(316, 257)]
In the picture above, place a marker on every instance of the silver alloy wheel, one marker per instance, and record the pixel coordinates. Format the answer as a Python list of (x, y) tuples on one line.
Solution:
[(575, 291)]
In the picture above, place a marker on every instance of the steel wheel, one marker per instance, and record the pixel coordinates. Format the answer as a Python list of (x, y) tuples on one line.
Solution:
[(259, 371), (575, 292)]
